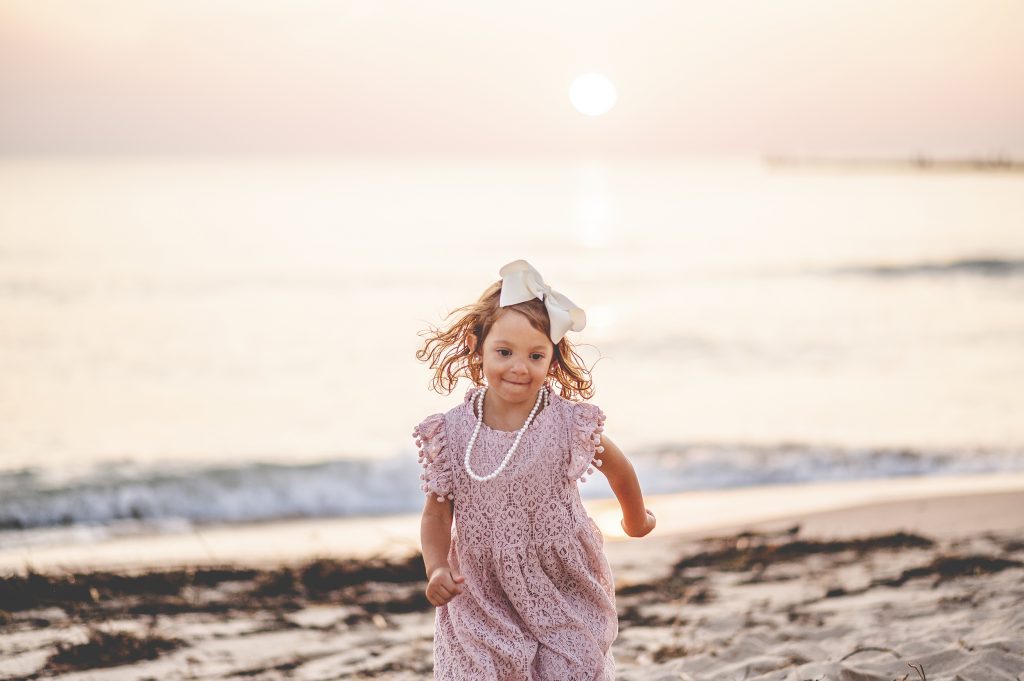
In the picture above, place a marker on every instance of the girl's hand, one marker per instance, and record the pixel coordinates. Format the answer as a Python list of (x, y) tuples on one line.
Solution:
[(443, 586), (649, 522)]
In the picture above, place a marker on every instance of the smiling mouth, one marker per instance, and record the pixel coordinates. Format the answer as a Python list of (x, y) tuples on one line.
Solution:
[(514, 383)]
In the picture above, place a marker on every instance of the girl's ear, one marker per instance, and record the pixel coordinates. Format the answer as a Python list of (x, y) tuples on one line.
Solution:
[(471, 341)]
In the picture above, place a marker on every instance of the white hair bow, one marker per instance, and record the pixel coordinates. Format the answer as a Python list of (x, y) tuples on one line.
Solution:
[(521, 282)]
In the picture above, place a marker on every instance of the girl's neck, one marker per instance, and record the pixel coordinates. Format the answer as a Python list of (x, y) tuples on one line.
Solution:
[(501, 415)]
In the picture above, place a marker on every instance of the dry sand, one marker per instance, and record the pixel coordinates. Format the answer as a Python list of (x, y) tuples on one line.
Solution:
[(930, 587)]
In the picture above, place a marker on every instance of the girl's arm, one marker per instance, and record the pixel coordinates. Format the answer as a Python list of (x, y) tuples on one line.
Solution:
[(435, 534), (637, 521)]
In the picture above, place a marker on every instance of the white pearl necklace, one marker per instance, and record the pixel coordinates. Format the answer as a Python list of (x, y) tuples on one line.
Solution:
[(542, 395)]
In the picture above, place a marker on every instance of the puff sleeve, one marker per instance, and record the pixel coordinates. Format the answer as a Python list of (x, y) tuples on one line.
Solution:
[(585, 440), (437, 472)]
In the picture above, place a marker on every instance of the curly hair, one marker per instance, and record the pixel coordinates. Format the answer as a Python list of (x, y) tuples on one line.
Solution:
[(451, 354)]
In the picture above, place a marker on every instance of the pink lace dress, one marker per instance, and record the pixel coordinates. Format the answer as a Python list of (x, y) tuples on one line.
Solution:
[(538, 601)]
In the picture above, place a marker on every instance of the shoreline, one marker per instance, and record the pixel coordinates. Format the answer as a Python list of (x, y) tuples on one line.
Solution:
[(681, 517)]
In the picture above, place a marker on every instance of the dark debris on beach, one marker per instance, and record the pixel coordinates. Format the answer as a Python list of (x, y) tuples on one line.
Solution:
[(754, 552), (108, 649), (88, 596), (369, 588)]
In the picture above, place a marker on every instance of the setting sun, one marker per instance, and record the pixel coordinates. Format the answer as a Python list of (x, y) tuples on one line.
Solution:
[(592, 94)]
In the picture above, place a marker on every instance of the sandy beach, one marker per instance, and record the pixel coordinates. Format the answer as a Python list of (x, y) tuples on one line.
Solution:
[(872, 580)]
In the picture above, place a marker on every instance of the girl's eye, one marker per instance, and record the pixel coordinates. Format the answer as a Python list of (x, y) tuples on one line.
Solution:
[(535, 355)]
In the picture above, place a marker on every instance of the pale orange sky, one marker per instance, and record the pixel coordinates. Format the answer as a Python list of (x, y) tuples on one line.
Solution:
[(480, 77)]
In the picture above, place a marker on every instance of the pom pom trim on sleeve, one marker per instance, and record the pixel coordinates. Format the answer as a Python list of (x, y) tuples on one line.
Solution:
[(585, 449), (433, 457)]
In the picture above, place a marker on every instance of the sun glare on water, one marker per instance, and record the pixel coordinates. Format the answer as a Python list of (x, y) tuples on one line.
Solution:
[(592, 94)]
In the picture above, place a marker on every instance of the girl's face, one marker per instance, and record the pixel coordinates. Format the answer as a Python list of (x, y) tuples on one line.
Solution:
[(516, 358)]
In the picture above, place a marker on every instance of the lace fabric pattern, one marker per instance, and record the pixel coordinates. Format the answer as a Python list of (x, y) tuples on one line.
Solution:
[(538, 601)]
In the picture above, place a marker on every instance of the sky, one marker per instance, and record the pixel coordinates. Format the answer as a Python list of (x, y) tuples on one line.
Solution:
[(398, 77)]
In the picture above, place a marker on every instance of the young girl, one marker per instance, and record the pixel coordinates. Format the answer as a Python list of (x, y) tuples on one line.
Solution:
[(522, 587)]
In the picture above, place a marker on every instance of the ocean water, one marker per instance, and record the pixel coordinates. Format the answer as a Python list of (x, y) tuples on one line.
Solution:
[(226, 340)]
